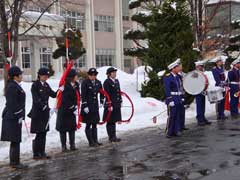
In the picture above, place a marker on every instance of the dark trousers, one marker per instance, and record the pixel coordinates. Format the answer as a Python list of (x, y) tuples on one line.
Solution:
[(111, 130), (182, 117), (14, 153), (233, 104), (200, 103), (39, 144), (220, 108), (63, 137), (173, 119)]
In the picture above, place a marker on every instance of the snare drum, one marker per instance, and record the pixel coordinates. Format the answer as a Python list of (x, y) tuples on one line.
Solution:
[(195, 82), (215, 95)]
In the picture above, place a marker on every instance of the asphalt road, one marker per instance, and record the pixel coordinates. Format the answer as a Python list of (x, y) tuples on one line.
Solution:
[(202, 153)]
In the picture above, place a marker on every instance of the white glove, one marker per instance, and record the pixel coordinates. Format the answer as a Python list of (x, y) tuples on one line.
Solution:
[(52, 111), (110, 109), (75, 112), (86, 110), (20, 120), (171, 104), (61, 88)]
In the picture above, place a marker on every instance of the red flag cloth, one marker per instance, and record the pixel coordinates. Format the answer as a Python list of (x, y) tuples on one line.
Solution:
[(7, 66), (62, 82), (9, 45), (227, 101)]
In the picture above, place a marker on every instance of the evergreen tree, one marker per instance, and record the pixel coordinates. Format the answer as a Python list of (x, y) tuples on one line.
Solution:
[(233, 48), (76, 48), (166, 35)]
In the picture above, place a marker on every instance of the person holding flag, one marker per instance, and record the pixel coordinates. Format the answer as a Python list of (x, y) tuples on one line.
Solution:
[(112, 87), (90, 89), (67, 112), (40, 113)]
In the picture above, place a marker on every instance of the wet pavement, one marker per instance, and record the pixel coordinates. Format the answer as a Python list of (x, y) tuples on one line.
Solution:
[(202, 153)]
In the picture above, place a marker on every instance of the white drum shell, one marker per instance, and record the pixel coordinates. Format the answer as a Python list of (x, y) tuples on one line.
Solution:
[(215, 95), (195, 82)]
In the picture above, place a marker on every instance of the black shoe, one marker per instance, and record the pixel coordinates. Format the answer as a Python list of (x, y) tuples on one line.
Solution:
[(37, 157), (169, 136), (201, 123), (95, 137), (19, 166), (222, 118), (45, 156), (115, 139), (207, 122), (93, 145), (64, 149), (185, 129), (178, 134), (89, 136), (73, 147)]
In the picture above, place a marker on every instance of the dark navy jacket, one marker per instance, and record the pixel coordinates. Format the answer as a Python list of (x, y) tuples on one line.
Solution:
[(172, 89), (234, 77), (219, 76)]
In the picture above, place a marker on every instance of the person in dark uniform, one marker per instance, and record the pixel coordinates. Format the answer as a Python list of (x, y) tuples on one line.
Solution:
[(173, 99), (90, 109), (234, 85), (220, 79), (112, 86), (40, 113), (200, 100), (13, 115), (66, 116)]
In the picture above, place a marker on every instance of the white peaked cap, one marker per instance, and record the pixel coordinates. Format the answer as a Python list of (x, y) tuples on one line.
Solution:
[(235, 61), (219, 58), (174, 64), (199, 63)]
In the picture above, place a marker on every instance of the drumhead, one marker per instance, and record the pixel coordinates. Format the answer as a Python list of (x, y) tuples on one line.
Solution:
[(195, 82)]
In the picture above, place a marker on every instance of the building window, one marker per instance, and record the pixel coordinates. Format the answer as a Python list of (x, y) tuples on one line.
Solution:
[(74, 19), (105, 57), (26, 57), (1, 63), (45, 57), (81, 62), (126, 18), (104, 23)]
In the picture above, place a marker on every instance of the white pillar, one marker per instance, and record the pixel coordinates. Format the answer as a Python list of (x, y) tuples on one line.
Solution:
[(91, 54), (35, 57), (119, 34)]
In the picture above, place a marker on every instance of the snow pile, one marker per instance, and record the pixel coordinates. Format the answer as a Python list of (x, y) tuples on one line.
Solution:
[(220, 1), (145, 110)]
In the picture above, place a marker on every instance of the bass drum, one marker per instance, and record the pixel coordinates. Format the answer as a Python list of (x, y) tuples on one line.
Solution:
[(195, 82)]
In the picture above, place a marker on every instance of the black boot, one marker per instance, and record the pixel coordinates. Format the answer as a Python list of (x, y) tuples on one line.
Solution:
[(63, 141), (109, 131), (14, 155), (113, 130), (72, 140), (43, 145), (35, 149), (90, 138), (95, 137)]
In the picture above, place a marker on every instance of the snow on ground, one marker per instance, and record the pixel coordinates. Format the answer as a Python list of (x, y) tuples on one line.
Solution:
[(145, 110)]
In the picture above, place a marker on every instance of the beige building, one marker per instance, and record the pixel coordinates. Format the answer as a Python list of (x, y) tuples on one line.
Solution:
[(102, 23)]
